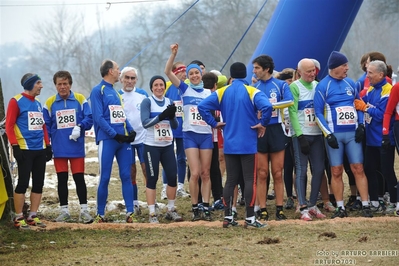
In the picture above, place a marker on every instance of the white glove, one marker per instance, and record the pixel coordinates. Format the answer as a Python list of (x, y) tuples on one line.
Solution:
[(75, 133)]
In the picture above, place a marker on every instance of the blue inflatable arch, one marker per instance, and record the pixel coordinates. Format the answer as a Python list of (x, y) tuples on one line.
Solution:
[(306, 28)]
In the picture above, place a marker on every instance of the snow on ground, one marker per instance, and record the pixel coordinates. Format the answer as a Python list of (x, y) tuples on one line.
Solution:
[(50, 187)]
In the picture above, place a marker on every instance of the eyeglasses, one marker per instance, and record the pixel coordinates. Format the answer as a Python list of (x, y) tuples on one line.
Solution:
[(132, 78)]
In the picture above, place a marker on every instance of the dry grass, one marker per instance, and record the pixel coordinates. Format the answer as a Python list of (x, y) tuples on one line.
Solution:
[(292, 242)]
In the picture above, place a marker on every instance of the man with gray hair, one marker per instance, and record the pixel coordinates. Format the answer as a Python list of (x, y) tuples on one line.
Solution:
[(132, 98), (377, 157)]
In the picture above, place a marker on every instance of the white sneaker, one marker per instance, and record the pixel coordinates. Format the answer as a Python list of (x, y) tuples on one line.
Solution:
[(182, 194), (63, 217), (316, 212), (137, 210), (153, 219), (85, 217), (329, 207), (163, 194), (305, 215), (173, 216)]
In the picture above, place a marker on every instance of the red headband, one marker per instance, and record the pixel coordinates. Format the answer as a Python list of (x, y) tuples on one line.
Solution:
[(179, 69)]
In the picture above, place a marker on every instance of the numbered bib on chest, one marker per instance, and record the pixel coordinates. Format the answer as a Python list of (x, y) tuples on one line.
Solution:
[(274, 111), (35, 120), (195, 117), (346, 115), (179, 108), (310, 118), (66, 118), (162, 132), (116, 114), (367, 118)]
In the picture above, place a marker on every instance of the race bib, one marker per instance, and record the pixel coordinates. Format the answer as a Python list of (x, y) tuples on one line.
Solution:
[(117, 114), (35, 120), (367, 118), (195, 118), (274, 111), (310, 117), (179, 108), (66, 118), (162, 132), (346, 115)]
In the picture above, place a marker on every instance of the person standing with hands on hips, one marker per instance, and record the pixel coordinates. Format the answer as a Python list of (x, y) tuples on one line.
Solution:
[(68, 115), (113, 137), (239, 105), (31, 148)]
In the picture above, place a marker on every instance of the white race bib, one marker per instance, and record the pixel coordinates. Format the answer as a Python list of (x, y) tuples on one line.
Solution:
[(66, 118), (346, 115), (116, 114), (274, 111), (162, 132), (195, 118), (179, 108), (310, 117), (35, 120)]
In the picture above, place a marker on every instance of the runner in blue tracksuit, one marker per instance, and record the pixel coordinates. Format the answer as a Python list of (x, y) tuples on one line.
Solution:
[(68, 115), (113, 135), (239, 104), (343, 128)]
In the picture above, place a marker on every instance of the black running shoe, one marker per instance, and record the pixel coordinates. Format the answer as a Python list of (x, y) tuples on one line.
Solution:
[(207, 215), (196, 215), (356, 206), (339, 212), (280, 216), (366, 212), (229, 223), (350, 202)]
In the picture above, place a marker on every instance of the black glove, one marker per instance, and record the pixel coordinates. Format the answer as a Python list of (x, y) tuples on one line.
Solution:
[(303, 142), (120, 138), (171, 110), (131, 137), (332, 141), (49, 153), (386, 142), (18, 155), (163, 115), (359, 135)]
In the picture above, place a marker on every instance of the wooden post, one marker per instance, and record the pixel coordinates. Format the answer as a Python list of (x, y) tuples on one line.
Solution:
[(4, 161)]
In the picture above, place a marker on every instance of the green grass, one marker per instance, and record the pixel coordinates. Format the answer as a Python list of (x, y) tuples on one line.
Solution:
[(291, 242), (281, 243)]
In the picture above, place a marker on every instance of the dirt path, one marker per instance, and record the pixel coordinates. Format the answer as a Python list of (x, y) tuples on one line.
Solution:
[(123, 226)]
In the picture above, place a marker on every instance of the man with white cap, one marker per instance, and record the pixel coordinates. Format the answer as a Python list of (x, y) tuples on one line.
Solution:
[(343, 129)]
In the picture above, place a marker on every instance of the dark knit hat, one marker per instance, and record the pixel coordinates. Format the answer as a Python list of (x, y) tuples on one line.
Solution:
[(155, 78), (336, 59), (238, 70), (197, 62), (29, 83)]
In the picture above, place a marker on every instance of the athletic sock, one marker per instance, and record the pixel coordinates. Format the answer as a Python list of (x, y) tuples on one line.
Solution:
[(340, 203), (171, 205)]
